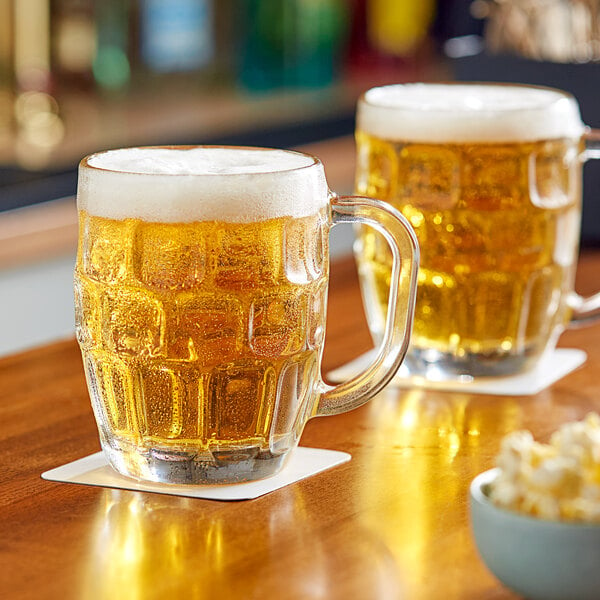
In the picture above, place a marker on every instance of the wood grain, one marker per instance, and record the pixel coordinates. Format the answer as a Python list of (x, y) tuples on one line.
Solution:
[(391, 523)]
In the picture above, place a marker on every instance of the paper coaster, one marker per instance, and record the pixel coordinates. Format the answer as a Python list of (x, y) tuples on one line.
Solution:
[(551, 368), (95, 470)]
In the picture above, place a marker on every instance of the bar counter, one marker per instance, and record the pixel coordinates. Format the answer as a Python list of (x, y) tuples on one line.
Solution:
[(390, 523)]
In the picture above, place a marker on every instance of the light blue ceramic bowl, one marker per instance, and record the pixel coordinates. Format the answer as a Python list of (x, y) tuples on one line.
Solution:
[(536, 558)]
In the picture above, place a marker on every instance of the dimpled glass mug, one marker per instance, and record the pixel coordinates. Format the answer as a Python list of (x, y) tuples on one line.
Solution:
[(201, 288), (489, 176)]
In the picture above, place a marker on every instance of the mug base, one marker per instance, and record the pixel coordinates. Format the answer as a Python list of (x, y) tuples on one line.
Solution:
[(193, 467), (440, 366)]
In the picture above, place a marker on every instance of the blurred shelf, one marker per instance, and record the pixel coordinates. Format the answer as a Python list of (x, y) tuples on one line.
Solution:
[(183, 110), (175, 114)]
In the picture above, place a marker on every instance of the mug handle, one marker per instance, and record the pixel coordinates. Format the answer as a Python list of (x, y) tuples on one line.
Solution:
[(403, 290), (586, 309)]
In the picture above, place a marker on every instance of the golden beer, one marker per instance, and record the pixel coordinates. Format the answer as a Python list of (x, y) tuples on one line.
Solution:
[(194, 334), (494, 199)]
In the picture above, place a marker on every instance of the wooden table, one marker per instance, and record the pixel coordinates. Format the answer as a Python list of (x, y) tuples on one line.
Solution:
[(391, 523)]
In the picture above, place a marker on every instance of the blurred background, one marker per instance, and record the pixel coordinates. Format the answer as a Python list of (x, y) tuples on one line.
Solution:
[(78, 76)]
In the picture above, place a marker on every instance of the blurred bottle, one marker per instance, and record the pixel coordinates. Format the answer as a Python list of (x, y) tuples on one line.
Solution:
[(32, 45), (73, 43), (176, 35), (113, 23), (264, 43), (38, 123), (320, 28), (296, 43), (226, 30), (7, 80), (398, 27), (387, 35), (90, 44)]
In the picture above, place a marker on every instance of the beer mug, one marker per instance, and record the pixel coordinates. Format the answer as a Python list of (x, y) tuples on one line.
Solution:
[(201, 289), (489, 176)]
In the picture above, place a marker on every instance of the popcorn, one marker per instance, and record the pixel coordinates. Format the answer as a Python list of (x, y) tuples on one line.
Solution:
[(559, 480)]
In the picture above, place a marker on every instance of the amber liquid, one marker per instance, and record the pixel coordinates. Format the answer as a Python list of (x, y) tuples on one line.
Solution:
[(201, 340), (498, 230)]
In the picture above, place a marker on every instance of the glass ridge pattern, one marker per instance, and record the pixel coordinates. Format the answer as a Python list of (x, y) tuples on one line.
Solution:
[(498, 227), (202, 338)]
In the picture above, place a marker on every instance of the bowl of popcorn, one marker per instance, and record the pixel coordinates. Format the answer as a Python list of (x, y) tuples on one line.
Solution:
[(536, 516)]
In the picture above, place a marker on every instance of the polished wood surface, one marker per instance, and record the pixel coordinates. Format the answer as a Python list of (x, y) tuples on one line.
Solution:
[(391, 523)]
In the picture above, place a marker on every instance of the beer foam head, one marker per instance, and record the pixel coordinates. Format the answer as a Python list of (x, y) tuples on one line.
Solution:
[(183, 184), (424, 112)]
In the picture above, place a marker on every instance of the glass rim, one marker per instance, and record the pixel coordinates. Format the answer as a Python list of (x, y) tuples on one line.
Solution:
[(469, 112), (314, 160), (560, 93)]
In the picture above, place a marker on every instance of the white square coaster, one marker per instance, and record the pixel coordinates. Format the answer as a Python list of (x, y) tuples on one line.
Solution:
[(552, 367), (95, 470)]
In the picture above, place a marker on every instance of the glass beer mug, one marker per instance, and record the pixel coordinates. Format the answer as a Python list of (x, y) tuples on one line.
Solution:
[(201, 290), (489, 176)]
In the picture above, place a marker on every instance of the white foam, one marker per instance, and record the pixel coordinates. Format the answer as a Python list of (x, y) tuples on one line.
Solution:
[(178, 184), (424, 112)]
